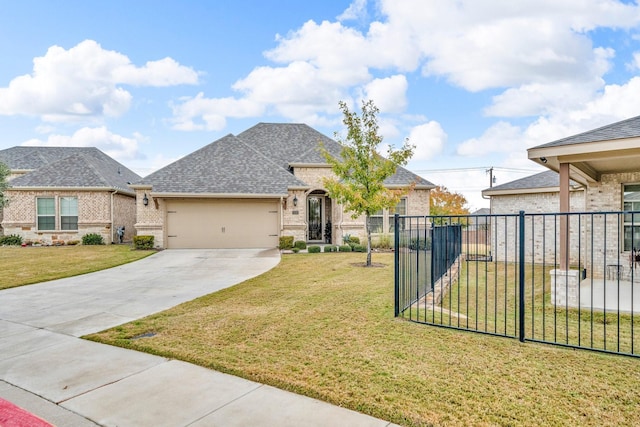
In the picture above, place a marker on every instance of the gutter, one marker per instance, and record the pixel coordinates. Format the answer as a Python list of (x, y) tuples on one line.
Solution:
[(217, 195)]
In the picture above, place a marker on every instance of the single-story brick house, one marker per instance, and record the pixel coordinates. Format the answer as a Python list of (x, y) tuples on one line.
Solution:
[(538, 193), (595, 171), (59, 194), (249, 189)]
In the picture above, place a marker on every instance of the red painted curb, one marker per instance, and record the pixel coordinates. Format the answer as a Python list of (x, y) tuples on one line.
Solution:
[(14, 416)]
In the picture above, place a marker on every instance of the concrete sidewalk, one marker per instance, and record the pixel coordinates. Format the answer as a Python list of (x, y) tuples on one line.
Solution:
[(47, 370)]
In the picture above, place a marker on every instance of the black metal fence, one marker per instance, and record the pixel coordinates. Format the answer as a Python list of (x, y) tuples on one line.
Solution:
[(567, 279)]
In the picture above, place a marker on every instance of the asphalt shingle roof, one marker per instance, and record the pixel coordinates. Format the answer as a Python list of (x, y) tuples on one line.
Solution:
[(254, 162), (54, 167), (546, 179), (226, 166), (629, 128)]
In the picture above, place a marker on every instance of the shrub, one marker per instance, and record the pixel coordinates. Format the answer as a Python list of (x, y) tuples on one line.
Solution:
[(420, 244), (344, 248), (295, 250), (286, 242), (300, 244), (143, 242), (359, 248), (313, 249), (350, 240), (331, 248), (92, 239), (11, 240), (383, 241)]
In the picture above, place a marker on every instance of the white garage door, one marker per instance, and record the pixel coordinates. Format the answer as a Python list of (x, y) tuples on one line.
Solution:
[(199, 223)]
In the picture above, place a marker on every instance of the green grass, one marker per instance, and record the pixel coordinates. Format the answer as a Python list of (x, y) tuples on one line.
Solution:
[(320, 325), (24, 266), (486, 297)]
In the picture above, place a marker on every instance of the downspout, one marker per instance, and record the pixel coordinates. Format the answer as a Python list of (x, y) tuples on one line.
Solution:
[(340, 224), (112, 213)]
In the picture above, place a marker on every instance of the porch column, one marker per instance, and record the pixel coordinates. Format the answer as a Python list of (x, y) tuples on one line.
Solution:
[(564, 220)]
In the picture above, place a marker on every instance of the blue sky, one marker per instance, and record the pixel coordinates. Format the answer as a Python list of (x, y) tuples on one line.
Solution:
[(472, 83)]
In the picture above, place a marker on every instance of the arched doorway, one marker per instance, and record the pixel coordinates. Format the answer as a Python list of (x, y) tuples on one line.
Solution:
[(319, 217)]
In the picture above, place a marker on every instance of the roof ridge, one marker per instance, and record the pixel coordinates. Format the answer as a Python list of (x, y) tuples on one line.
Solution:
[(271, 161)]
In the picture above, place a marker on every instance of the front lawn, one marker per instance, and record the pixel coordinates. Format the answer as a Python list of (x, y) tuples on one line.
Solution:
[(320, 325), (24, 266)]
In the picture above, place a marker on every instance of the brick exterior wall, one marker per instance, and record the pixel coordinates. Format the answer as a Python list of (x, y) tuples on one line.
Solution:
[(604, 196), (540, 234), (587, 236), (94, 215), (150, 219)]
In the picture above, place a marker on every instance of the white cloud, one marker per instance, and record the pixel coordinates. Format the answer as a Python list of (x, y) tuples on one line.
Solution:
[(388, 94), (429, 140), (200, 113), (355, 11), (117, 146), (487, 44), (539, 53), (501, 137), (83, 83)]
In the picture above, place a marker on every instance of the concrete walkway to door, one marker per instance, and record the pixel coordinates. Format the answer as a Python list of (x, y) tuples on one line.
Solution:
[(47, 370)]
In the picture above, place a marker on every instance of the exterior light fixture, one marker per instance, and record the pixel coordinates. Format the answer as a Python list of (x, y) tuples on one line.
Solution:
[(295, 200), (145, 200), (543, 159)]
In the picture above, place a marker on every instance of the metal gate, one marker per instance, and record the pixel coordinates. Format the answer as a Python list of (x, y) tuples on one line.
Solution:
[(567, 279)]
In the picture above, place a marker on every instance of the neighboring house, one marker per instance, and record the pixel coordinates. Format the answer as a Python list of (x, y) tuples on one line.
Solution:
[(481, 220), (535, 194), (250, 189), (59, 194), (539, 193), (595, 171)]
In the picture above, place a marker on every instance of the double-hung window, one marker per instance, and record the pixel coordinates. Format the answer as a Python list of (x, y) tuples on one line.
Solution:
[(68, 213), (46, 207), (631, 202), (52, 216), (384, 218), (400, 209)]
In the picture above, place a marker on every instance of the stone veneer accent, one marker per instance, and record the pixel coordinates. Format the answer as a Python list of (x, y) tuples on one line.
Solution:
[(150, 218), (565, 288)]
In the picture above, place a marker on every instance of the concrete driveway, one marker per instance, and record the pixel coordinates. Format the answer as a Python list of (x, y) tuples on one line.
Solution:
[(47, 370)]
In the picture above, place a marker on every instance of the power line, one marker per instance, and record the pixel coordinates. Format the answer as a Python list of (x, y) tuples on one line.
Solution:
[(479, 168)]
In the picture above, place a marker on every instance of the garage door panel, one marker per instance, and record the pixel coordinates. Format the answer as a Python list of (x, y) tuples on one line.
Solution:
[(222, 224)]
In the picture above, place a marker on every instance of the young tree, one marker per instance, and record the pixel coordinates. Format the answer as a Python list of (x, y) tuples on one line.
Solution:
[(444, 202), (4, 175), (360, 171)]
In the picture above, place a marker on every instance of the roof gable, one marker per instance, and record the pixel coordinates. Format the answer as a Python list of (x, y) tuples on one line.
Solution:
[(226, 166), (257, 161), (287, 143), (294, 143)]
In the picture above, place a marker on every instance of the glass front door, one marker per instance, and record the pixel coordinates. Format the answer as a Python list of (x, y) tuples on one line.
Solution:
[(314, 218)]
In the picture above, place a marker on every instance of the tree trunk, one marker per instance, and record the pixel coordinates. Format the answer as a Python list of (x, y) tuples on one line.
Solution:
[(368, 241)]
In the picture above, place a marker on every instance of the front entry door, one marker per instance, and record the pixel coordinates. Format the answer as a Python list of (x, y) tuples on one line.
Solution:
[(314, 218)]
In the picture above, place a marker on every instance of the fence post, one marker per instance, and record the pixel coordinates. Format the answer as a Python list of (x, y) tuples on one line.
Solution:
[(521, 277), (396, 256)]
